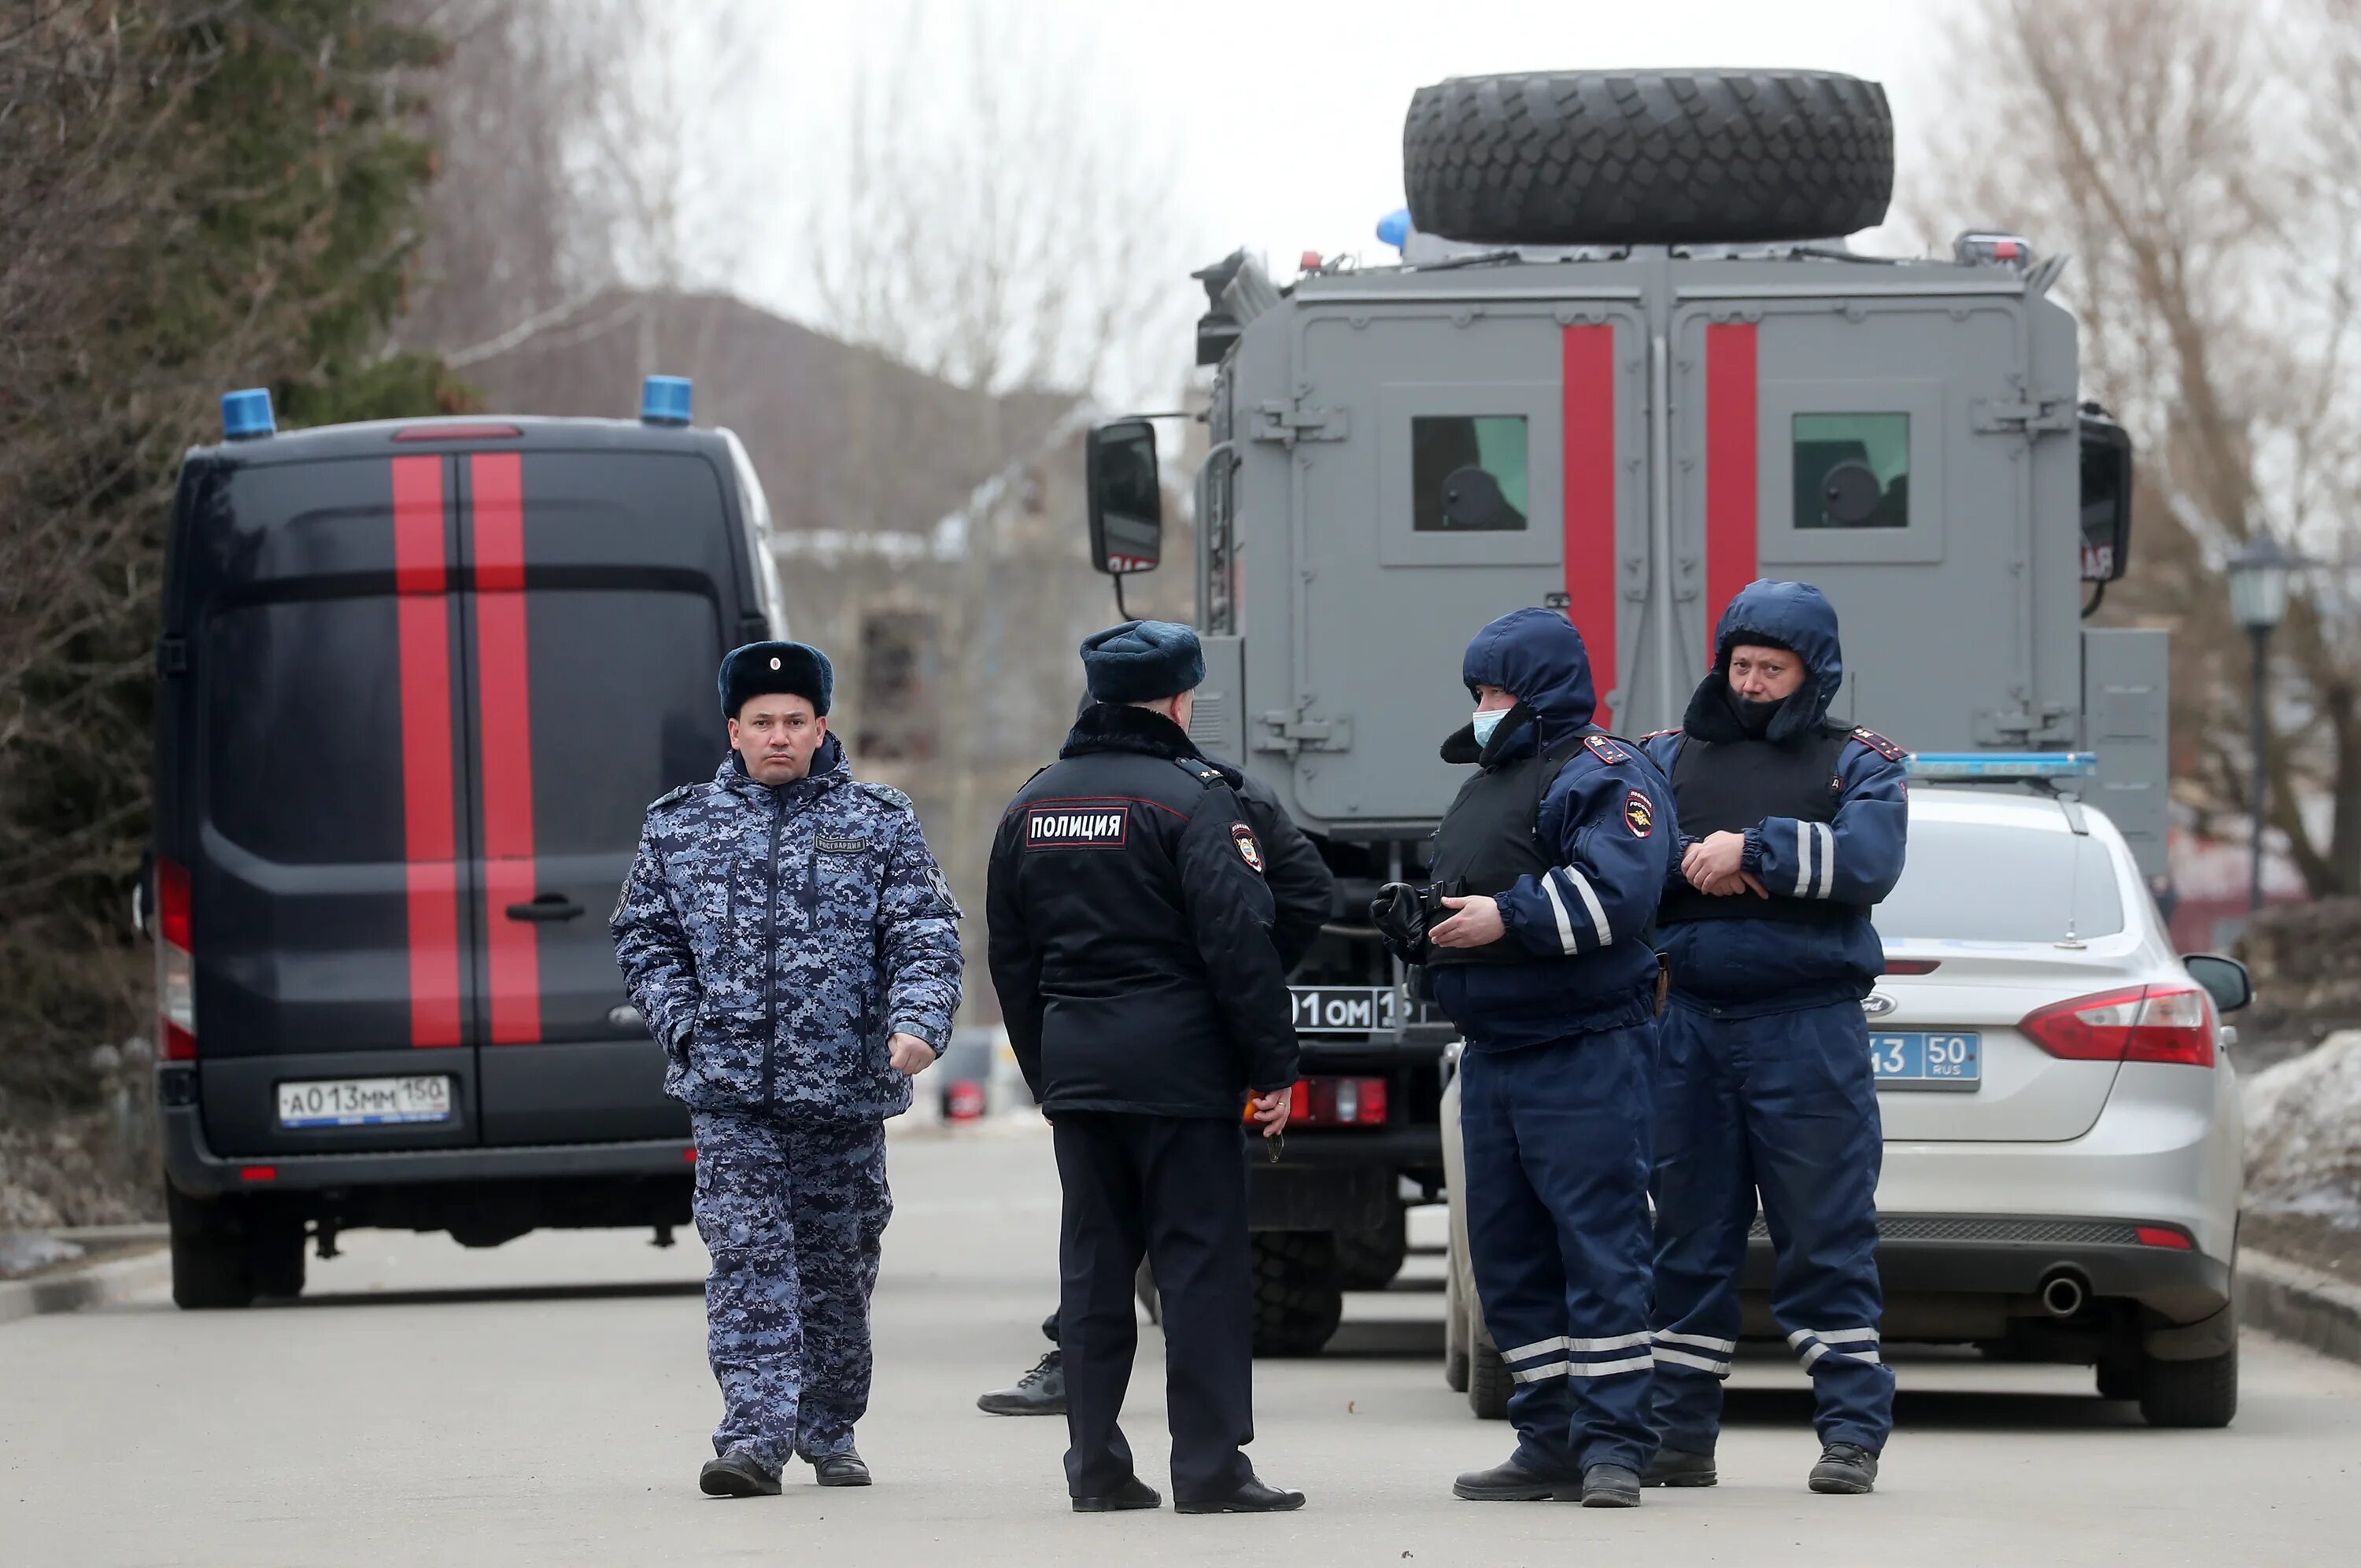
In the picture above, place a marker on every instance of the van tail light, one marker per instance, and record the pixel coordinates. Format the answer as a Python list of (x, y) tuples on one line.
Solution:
[(176, 976), (1339, 1102), (2140, 1023)]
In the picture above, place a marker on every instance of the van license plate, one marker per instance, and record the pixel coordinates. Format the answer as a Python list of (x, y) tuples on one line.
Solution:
[(1913, 1059), (364, 1101), (1343, 1009)]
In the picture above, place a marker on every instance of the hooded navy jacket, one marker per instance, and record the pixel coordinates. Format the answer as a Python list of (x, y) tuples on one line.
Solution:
[(1584, 921), (1740, 967)]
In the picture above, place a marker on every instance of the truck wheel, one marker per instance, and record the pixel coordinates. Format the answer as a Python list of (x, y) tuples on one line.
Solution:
[(1297, 1302), (211, 1267), (1488, 1382), (1454, 1337), (1369, 1260), (1648, 157), (2189, 1393), (274, 1251)]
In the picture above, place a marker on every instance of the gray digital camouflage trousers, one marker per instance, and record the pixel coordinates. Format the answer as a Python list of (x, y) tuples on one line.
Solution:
[(792, 1214)]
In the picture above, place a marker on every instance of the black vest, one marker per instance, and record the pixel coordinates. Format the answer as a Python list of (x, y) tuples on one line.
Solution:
[(1728, 787), (1489, 838)]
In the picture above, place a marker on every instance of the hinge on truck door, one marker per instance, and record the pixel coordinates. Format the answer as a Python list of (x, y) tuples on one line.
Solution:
[(1288, 423), (1290, 734), (2018, 416)]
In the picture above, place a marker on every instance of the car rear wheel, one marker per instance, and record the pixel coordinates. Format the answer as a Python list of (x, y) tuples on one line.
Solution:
[(211, 1267), (1488, 1382), (1454, 1337), (1298, 1298), (2189, 1393)]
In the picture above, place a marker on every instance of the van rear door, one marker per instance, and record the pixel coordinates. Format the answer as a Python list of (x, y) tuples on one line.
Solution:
[(307, 786), (604, 590)]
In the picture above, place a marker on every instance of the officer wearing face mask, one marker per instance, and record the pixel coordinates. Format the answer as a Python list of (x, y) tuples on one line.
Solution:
[(1792, 830), (1551, 861)]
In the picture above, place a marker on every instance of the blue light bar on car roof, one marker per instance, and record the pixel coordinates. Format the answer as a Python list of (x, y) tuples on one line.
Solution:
[(2001, 765), (246, 414), (665, 400)]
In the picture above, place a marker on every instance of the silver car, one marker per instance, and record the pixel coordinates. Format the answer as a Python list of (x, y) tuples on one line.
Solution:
[(2063, 1145)]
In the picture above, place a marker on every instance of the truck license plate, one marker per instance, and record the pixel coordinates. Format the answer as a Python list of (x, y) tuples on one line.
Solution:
[(364, 1101), (1914, 1060), (1343, 1009)]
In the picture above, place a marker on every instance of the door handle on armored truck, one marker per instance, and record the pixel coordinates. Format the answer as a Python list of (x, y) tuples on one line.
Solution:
[(548, 906)]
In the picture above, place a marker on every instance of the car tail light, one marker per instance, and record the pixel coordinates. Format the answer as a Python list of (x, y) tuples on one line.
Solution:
[(2140, 1023), (1913, 965), (458, 432), (176, 977), (2165, 1236), (1339, 1102)]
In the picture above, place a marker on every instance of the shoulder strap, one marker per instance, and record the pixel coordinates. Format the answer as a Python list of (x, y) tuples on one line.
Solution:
[(1197, 768), (1879, 744)]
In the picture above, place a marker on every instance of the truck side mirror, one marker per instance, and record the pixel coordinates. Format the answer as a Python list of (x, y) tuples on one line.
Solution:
[(2106, 497), (1127, 497)]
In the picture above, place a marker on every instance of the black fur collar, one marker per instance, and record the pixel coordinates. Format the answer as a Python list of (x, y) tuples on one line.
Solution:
[(1711, 717), (1119, 727)]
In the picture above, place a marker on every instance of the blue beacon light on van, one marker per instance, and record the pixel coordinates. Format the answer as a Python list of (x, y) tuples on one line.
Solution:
[(2001, 765), (1394, 227), (246, 414), (665, 400)]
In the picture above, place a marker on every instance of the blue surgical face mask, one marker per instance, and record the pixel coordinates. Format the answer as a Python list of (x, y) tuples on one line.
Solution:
[(1486, 721)]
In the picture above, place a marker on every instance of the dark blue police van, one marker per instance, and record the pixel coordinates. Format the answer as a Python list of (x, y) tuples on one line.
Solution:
[(418, 681)]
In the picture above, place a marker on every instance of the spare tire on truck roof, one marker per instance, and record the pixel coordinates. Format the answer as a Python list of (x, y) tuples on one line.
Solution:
[(1648, 157)]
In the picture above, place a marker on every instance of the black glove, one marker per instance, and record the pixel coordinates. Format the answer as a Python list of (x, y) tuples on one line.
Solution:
[(1400, 913)]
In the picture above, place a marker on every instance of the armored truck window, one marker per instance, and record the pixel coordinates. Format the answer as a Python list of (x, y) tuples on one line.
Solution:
[(1852, 470), (1467, 473)]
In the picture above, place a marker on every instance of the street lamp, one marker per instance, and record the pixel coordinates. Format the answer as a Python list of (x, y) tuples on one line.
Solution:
[(2258, 597)]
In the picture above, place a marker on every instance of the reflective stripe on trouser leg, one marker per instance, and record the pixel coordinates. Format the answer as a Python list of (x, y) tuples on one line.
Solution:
[(1816, 1142), (754, 1295), (1556, 1141), (1704, 1188)]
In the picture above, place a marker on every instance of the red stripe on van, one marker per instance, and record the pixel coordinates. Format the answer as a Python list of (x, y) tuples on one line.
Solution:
[(1587, 403), (1732, 470), (496, 480), (429, 817)]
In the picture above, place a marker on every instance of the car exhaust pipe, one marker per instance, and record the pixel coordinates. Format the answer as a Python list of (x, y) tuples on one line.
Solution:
[(2063, 1294)]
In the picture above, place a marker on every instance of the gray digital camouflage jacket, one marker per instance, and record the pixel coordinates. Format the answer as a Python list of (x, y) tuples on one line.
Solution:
[(774, 938)]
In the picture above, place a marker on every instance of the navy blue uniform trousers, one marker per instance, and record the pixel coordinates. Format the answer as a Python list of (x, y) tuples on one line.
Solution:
[(1555, 1138), (1172, 1189), (1783, 1105)]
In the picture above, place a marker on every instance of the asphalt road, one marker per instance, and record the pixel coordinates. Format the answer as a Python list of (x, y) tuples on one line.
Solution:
[(548, 1403)]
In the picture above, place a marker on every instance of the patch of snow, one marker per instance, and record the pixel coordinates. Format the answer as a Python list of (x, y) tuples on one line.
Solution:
[(2304, 1133), (22, 1254)]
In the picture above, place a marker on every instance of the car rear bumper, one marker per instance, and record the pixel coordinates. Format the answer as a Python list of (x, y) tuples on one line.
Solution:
[(197, 1171), (2007, 1258)]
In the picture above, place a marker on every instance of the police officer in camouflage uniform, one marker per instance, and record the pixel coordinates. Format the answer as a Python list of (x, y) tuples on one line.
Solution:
[(790, 940)]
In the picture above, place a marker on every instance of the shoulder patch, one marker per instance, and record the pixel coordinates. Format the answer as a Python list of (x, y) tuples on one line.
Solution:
[(1249, 850), (1639, 814), (1880, 744), (1604, 748), (1072, 825)]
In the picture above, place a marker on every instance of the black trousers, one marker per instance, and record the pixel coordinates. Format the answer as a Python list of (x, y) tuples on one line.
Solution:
[(1174, 1188)]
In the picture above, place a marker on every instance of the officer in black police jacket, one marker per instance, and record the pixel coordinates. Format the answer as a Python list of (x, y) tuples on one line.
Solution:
[(1303, 890), (1130, 942)]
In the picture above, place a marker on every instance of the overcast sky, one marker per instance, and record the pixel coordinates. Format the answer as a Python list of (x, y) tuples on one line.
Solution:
[(1283, 120)]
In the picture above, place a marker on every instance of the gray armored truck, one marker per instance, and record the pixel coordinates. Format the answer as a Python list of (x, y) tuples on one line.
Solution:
[(1627, 365)]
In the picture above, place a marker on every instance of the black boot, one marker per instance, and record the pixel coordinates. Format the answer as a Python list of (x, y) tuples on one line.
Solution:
[(1672, 1467), (1509, 1482), (1133, 1494), (737, 1473), (846, 1469), (1253, 1497), (1845, 1467), (1609, 1486), (1040, 1392)]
